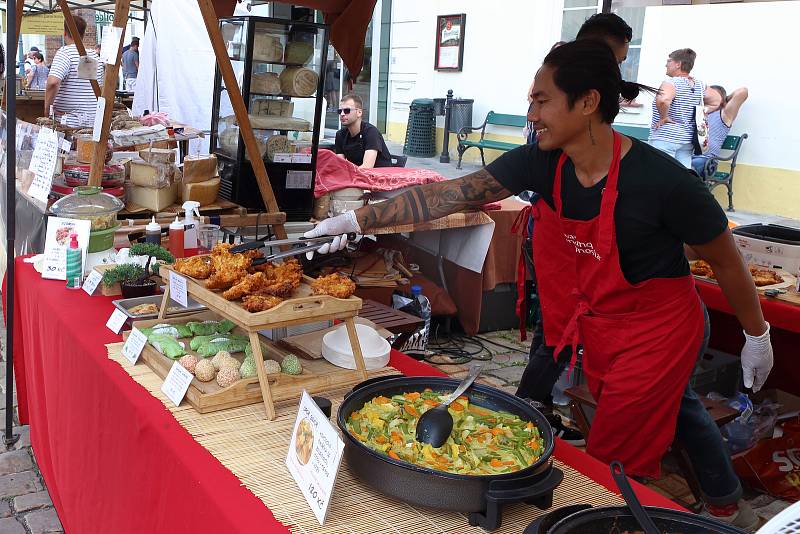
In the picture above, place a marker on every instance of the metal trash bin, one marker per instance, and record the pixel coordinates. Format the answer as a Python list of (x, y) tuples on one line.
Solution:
[(421, 129), (460, 113)]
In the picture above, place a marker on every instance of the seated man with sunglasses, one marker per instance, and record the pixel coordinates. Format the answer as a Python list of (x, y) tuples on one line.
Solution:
[(358, 141)]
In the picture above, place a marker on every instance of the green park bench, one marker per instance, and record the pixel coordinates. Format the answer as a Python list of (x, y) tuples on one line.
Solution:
[(495, 119)]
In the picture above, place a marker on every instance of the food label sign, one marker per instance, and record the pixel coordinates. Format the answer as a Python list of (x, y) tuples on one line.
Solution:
[(315, 453)]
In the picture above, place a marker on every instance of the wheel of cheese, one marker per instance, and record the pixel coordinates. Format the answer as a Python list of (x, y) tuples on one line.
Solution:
[(267, 47), (298, 81), (277, 144), (298, 52), (267, 83)]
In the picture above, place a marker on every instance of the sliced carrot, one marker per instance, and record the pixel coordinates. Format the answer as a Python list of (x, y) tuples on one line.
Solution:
[(469, 439), (492, 447), (396, 436), (497, 431), (393, 454), (380, 438), (509, 462), (412, 396), (430, 402), (382, 400), (356, 415), (496, 463), (463, 397), (411, 410), (529, 426), (479, 411), (457, 407)]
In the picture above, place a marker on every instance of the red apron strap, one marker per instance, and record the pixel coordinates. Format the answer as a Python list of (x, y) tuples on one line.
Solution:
[(605, 239), (521, 226)]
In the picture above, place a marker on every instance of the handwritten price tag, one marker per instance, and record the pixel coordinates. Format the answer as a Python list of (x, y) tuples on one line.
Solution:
[(177, 289), (315, 454), (116, 321), (91, 282), (176, 383), (134, 345)]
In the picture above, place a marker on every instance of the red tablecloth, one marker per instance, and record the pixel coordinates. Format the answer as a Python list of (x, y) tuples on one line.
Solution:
[(784, 320), (113, 457)]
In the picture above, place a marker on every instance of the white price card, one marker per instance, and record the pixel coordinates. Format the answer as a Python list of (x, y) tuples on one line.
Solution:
[(56, 242), (43, 163), (177, 289), (66, 146), (91, 282), (176, 383), (98, 119), (110, 44), (134, 345), (116, 321), (314, 457)]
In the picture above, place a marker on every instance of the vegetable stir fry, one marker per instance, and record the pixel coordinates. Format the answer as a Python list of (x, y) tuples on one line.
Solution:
[(483, 442)]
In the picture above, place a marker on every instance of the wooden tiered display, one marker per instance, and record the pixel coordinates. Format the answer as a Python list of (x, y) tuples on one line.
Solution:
[(304, 308)]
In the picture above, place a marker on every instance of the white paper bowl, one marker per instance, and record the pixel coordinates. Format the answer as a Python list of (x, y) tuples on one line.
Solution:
[(337, 350)]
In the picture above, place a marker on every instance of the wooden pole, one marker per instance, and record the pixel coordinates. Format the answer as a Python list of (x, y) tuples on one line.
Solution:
[(121, 9), (240, 110), (73, 31)]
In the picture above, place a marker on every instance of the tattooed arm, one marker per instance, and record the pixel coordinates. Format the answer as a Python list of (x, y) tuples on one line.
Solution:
[(431, 201)]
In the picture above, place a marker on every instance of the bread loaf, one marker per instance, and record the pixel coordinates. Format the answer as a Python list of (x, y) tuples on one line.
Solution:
[(266, 83), (298, 81), (267, 47)]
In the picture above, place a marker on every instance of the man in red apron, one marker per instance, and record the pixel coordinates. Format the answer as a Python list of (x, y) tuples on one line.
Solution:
[(624, 210)]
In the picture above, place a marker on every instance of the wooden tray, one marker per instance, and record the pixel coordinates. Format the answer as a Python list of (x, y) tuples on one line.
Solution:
[(303, 307), (205, 397)]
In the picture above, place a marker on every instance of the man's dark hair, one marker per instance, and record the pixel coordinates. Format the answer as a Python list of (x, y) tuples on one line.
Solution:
[(80, 23), (604, 25), (355, 98), (38, 55), (686, 57), (587, 64), (135, 41), (34, 49)]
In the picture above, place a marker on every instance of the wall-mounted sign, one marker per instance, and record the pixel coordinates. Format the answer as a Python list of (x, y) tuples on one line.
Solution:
[(46, 24), (449, 42)]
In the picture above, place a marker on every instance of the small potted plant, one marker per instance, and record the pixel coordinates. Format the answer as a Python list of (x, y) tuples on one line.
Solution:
[(134, 280)]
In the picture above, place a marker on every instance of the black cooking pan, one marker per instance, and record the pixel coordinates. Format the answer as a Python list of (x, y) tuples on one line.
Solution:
[(472, 494)]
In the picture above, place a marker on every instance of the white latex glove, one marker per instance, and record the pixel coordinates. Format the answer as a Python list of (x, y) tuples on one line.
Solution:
[(339, 226), (756, 360)]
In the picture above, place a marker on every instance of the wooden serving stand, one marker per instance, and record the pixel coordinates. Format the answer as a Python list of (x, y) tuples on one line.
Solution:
[(305, 308)]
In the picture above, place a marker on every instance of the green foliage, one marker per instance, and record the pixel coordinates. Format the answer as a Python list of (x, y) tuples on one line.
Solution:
[(153, 251), (122, 273)]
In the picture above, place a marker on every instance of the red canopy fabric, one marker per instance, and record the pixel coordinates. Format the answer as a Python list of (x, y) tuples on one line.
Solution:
[(348, 21)]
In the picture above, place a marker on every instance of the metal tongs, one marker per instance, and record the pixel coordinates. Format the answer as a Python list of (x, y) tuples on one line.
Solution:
[(311, 244)]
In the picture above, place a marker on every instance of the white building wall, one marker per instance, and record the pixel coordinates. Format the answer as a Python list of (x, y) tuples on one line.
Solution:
[(505, 43)]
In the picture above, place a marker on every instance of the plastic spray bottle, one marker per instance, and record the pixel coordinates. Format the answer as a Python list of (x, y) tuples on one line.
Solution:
[(74, 263), (176, 238), (190, 224)]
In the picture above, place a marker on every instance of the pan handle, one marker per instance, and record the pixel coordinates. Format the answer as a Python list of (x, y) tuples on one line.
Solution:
[(645, 521), (527, 489), (543, 524), (368, 382)]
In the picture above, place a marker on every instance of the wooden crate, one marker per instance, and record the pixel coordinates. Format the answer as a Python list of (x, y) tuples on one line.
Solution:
[(302, 308), (205, 397)]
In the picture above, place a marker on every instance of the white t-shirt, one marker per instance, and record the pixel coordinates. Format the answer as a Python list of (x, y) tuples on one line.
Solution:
[(75, 96)]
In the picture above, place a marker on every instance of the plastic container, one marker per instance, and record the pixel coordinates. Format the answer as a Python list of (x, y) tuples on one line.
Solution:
[(176, 238), (101, 240), (190, 246), (74, 263), (91, 204), (152, 232), (208, 235), (337, 350), (425, 312)]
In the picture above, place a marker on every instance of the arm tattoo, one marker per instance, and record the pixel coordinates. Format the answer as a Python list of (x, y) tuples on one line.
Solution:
[(432, 201)]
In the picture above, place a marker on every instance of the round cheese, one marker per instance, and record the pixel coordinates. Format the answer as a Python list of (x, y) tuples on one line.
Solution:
[(277, 144)]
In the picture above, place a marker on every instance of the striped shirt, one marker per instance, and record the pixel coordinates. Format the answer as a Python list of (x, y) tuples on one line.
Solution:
[(717, 132), (75, 96), (688, 93)]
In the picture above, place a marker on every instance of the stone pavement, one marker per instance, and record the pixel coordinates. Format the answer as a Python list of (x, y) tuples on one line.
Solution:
[(25, 505)]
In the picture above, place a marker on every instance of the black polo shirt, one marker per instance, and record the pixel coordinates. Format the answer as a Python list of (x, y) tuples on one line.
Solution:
[(369, 138)]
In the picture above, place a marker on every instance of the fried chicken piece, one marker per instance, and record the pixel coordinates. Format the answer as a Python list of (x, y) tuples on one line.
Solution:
[(228, 268), (283, 278), (702, 268), (283, 289), (248, 285), (257, 303), (196, 267), (335, 285), (764, 277)]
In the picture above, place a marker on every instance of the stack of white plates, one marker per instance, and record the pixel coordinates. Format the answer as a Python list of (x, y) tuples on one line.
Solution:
[(337, 350)]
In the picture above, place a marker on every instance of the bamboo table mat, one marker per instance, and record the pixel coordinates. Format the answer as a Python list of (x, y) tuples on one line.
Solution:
[(229, 436)]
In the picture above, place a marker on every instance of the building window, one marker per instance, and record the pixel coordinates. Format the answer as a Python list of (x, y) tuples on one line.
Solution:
[(577, 11)]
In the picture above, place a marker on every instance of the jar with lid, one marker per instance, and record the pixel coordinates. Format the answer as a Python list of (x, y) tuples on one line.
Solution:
[(91, 204)]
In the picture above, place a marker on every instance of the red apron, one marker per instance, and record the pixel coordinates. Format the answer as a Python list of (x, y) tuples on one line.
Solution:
[(640, 341)]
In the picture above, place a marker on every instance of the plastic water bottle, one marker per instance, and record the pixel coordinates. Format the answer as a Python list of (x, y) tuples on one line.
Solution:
[(425, 313)]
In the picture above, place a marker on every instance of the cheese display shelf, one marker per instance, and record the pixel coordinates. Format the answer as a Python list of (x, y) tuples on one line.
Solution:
[(302, 308), (279, 65)]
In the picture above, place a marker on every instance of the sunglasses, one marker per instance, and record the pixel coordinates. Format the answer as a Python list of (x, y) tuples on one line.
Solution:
[(346, 111)]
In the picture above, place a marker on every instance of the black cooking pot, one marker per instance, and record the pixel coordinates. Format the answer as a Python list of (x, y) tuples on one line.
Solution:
[(480, 496), (612, 519)]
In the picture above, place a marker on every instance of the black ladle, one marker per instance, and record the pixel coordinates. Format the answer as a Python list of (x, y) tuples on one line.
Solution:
[(639, 513), (435, 425)]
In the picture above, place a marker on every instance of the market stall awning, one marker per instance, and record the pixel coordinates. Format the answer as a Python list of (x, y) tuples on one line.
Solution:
[(33, 7)]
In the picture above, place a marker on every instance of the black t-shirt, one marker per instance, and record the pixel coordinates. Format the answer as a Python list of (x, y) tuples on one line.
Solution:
[(660, 206), (369, 138)]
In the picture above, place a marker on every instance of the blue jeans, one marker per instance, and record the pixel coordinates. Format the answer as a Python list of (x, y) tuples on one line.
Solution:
[(680, 151), (695, 429), (701, 438)]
